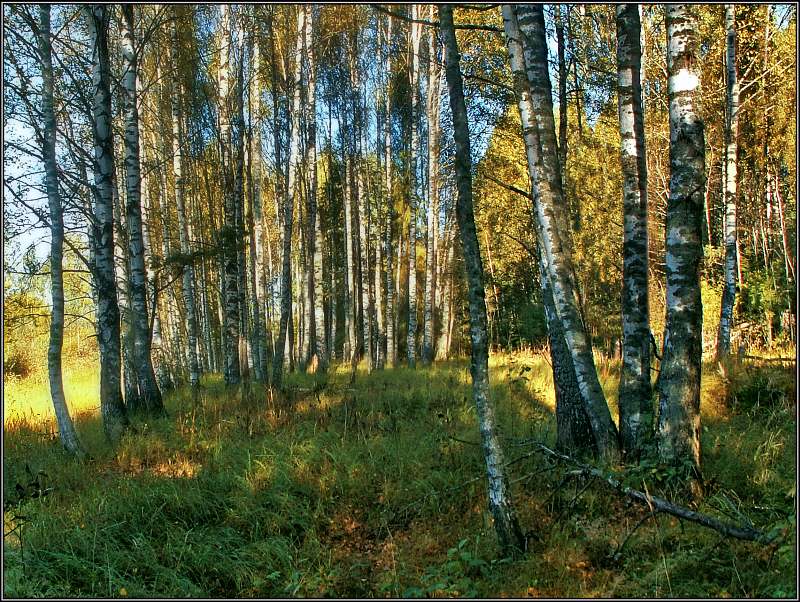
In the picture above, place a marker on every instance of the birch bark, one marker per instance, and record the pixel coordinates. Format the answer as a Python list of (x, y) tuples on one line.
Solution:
[(66, 428), (635, 393), (112, 408), (679, 379), (731, 144), (505, 521)]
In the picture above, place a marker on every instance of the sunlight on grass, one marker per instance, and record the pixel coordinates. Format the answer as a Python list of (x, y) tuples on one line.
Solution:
[(372, 488), (29, 399)]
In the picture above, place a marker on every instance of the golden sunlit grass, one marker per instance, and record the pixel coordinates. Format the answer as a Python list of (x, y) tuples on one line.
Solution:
[(29, 399), (376, 488)]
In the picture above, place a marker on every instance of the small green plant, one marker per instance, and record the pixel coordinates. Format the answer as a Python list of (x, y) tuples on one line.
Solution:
[(458, 576)]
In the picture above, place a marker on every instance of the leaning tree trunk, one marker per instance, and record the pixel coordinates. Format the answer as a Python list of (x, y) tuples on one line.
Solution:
[(149, 393), (112, 408), (288, 211), (183, 227), (66, 429), (434, 135), (562, 88), (731, 133), (415, 33), (573, 428), (230, 271), (528, 55), (635, 392), (505, 520), (679, 379)]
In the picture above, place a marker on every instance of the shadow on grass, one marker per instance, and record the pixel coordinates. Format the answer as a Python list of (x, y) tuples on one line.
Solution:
[(364, 489)]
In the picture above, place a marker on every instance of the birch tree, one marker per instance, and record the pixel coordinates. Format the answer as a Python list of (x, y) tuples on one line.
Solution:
[(731, 150), (316, 238), (415, 35), (391, 335), (434, 136), (288, 211), (66, 428), (679, 379), (525, 34), (112, 408), (635, 394), (228, 234), (505, 521), (180, 202)]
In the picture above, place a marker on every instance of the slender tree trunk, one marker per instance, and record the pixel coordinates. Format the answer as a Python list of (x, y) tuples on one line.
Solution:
[(679, 379), (122, 273), (288, 209), (242, 343), (505, 521), (149, 394), (731, 150), (230, 268), (528, 54), (361, 214), (317, 242), (635, 394), (391, 333), (562, 89), (112, 408), (66, 428), (349, 296), (443, 343), (183, 227), (434, 135), (255, 221), (788, 252), (415, 34)]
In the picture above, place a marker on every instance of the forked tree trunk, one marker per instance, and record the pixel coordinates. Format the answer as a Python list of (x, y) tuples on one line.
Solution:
[(731, 149), (635, 392), (679, 379), (528, 55), (505, 521), (112, 408), (66, 428)]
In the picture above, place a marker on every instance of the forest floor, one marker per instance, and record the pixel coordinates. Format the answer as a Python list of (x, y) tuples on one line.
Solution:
[(377, 488)]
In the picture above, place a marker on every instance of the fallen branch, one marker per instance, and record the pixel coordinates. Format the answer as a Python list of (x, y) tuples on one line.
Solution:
[(662, 505)]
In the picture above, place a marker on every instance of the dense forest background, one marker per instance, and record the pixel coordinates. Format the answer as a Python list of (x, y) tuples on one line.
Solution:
[(256, 216)]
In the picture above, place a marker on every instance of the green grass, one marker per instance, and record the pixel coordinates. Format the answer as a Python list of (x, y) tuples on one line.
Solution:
[(377, 489)]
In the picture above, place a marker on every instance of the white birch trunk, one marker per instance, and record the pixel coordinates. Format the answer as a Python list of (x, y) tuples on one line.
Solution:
[(528, 53), (501, 506), (635, 394), (731, 149), (66, 428), (288, 211), (415, 35), (112, 408), (679, 379)]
